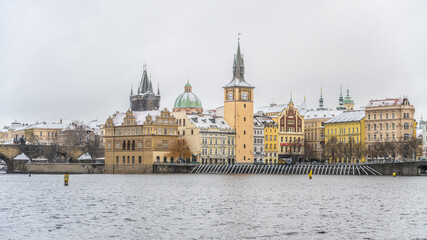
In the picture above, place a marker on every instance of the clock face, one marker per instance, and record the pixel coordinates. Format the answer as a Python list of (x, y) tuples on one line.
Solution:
[(245, 96), (230, 96)]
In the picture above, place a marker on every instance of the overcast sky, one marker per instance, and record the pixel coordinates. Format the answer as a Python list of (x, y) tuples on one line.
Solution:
[(76, 60)]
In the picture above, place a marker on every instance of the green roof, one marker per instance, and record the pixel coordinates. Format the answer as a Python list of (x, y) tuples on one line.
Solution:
[(187, 100)]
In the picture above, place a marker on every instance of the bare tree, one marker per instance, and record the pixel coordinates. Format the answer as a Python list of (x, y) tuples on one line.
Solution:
[(180, 150), (331, 149)]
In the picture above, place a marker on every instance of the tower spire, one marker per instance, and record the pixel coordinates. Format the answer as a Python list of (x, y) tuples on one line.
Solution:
[(321, 99), (131, 89), (158, 88), (150, 86), (291, 96)]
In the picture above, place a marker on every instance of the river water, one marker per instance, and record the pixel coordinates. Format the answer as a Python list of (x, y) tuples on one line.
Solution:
[(212, 207)]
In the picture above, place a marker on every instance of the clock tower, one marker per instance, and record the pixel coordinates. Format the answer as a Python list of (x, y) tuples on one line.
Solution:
[(239, 109)]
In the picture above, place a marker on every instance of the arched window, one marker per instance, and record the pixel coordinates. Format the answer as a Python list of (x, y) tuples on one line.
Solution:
[(133, 144), (124, 160), (158, 159), (128, 160), (139, 160), (165, 159), (124, 145), (117, 160), (171, 159), (133, 159), (128, 146)]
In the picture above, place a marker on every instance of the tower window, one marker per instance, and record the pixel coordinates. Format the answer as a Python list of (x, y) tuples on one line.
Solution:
[(244, 105), (244, 145)]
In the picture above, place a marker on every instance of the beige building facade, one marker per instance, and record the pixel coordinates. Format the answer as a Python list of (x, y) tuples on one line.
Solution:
[(210, 138), (136, 139), (390, 119)]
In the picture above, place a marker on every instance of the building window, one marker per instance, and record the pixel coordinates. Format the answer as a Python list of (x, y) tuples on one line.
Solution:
[(133, 159), (117, 160), (244, 105), (139, 159), (124, 145), (406, 126), (124, 160), (244, 145), (133, 144), (128, 160)]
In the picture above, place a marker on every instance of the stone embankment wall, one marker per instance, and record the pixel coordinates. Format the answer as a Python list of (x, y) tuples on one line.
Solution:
[(62, 168), (128, 169), (173, 168), (405, 168)]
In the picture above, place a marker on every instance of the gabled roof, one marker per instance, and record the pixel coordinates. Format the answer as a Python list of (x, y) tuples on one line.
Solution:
[(139, 117)]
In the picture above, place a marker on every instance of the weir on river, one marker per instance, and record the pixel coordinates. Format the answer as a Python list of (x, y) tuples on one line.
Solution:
[(354, 169)]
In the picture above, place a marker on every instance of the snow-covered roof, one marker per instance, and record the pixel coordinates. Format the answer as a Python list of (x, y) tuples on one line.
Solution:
[(263, 119), (139, 116), (85, 156), (302, 109), (22, 156), (208, 121), (95, 126), (276, 108), (349, 116), (15, 125), (42, 126), (3, 130), (385, 102), (318, 114)]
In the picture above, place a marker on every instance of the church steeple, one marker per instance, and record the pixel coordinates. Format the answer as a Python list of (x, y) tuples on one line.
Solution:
[(321, 99), (341, 100), (158, 88)]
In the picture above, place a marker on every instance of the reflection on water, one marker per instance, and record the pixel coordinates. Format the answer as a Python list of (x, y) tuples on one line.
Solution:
[(212, 206)]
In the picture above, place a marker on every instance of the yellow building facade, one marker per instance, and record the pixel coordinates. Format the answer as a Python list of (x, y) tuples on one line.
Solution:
[(348, 128), (271, 144), (238, 110)]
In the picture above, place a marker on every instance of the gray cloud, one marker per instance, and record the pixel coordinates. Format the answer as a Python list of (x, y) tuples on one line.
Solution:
[(78, 59)]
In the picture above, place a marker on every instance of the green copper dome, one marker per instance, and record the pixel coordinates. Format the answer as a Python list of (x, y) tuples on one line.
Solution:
[(187, 99)]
